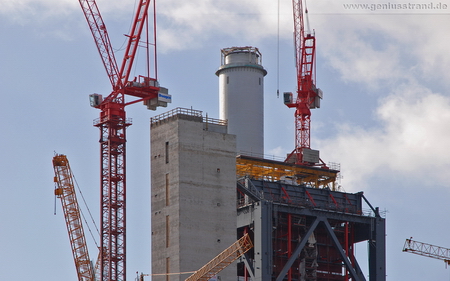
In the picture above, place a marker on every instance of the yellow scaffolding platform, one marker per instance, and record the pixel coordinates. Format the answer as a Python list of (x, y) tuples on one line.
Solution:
[(271, 170)]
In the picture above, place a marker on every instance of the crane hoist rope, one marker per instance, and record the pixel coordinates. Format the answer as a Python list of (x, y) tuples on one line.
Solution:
[(89, 212)]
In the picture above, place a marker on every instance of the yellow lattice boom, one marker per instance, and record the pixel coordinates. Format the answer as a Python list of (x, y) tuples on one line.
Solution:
[(222, 260), (65, 190)]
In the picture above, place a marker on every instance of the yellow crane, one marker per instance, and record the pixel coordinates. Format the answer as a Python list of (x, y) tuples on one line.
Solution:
[(223, 259), (219, 262), (65, 190)]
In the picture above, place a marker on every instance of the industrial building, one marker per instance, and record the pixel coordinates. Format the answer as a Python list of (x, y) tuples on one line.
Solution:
[(211, 185)]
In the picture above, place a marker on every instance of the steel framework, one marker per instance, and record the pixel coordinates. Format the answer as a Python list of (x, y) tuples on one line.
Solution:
[(427, 250), (222, 260), (307, 234)]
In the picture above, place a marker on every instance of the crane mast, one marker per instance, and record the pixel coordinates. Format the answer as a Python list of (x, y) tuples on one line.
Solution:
[(65, 190), (112, 124), (307, 94)]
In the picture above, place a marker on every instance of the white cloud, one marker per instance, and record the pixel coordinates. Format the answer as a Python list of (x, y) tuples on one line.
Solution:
[(368, 48), (35, 11), (375, 49), (189, 24), (412, 140), (417, 128), (277, 153), (181, 25), (44, 11)]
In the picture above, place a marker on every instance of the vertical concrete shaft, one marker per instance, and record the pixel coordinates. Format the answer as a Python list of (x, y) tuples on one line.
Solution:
[(241, 94)]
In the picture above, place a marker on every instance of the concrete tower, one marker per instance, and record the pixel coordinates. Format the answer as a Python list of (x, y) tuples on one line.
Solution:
[(193, 193), (241, 92)]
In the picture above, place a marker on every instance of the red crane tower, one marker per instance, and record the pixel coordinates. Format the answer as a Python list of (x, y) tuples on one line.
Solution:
[(308, 95), (113, 124)]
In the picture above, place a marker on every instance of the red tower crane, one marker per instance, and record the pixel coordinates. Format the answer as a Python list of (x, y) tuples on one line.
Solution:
[(308, 95), (113, 124)]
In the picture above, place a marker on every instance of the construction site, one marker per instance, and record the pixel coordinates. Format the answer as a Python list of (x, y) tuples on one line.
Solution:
[(221, 209)]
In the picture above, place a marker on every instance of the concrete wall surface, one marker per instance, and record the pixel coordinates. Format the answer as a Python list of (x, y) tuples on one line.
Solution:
[(193, 181)]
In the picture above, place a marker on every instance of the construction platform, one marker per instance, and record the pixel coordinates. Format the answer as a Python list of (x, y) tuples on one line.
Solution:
[(272, 171)]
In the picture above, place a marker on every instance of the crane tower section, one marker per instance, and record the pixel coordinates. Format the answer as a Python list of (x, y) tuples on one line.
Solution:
[(308, 95)]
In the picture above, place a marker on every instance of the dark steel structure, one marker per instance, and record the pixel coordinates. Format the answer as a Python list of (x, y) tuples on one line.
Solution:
[(306, 234)]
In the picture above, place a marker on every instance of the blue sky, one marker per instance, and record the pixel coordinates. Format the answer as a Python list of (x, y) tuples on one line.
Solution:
[(385, 114)]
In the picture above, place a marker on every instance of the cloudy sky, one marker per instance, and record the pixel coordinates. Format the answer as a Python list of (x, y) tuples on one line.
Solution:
[(385, 116)]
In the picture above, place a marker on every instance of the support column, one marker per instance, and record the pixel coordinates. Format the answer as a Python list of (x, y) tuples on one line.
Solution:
[(377, 251), (263, 241)]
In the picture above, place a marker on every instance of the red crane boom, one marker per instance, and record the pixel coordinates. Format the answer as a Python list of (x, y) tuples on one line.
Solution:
[(113, 124), (308, 96), (101, 38), (133, 42)]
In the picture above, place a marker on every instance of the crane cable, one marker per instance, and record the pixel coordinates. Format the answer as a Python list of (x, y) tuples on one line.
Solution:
[(142, 275), (89, 212), (308, 28), (122, 47), (278, 49)]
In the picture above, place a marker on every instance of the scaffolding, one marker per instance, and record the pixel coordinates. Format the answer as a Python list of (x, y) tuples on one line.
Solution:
[(272, 171)]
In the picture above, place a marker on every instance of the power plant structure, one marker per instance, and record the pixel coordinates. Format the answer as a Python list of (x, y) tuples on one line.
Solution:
[(207, 191), (215, 199)]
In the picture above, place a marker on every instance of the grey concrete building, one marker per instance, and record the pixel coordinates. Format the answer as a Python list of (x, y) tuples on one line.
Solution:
[(193, 182)]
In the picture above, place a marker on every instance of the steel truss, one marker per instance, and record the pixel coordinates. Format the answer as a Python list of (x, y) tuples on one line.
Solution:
[(297, 224)]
